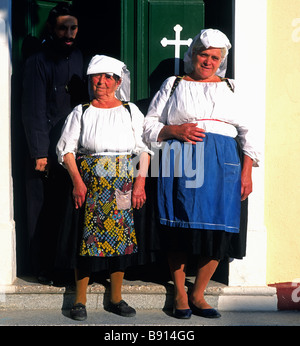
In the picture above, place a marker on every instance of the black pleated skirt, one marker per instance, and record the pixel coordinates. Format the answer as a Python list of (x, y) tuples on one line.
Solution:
[(213, 244)]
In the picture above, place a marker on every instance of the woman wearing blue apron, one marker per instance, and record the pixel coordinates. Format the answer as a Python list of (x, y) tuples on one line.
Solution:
[(196, 123)]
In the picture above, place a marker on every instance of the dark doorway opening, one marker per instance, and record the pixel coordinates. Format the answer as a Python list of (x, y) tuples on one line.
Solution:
[(219, 14), (99, 27)]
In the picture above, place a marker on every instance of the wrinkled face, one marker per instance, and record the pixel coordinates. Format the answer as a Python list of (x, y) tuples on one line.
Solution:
[(104, 84), (206, 63), (65, 30)]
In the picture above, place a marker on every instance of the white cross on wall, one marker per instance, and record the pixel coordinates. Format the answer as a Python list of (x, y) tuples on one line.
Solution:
[(177, 43)]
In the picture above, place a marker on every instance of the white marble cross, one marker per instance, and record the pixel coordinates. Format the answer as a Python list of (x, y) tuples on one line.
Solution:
[(177, 43)]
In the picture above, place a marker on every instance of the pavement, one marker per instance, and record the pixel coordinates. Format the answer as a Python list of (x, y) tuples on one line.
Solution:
[(150, 318), (149, 327)]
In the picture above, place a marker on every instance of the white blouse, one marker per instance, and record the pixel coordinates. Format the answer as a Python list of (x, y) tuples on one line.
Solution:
[(213, 106), (103, 131)]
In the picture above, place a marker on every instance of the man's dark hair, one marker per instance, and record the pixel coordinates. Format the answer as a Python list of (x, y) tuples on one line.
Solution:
[(62, 9)]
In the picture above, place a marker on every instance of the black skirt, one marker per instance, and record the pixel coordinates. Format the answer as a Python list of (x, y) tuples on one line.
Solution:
[(215, 244)]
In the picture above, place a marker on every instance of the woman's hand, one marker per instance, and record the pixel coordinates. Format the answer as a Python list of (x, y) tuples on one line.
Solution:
[(246, 178), (138, 193), (79, 193), (79, 188), (188, 132)]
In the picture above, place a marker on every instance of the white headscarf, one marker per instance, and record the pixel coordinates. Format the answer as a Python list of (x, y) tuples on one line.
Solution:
[(208, 38), (106, 64)]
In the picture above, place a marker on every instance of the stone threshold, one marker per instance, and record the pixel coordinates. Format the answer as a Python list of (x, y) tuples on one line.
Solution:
[(26, 293)]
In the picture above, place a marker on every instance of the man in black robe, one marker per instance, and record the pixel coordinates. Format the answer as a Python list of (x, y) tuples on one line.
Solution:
[(52, 86)]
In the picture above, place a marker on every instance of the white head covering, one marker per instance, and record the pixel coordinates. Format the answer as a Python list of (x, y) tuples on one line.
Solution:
[(208, 38), (106, 64)]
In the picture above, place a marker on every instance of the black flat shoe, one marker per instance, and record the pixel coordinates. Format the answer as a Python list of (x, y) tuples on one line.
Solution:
[(78, 312), (122, 309), (206, 313), (182, 313)]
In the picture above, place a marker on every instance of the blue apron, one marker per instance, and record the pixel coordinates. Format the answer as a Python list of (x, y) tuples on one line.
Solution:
[(199, 186)]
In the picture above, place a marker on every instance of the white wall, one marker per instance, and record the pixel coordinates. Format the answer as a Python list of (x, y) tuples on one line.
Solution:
[(250, 75), (7, 227)]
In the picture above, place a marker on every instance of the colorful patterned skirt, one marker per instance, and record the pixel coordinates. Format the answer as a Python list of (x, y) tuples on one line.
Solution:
[(108, 226)]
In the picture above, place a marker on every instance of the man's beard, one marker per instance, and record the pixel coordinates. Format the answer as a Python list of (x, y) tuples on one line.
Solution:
[(62, 44)]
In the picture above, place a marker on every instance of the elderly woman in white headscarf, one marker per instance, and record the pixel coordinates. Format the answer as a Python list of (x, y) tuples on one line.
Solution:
[(196, 122), (96, 148)]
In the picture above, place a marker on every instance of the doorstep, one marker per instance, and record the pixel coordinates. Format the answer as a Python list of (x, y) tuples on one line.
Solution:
[(26, 293)]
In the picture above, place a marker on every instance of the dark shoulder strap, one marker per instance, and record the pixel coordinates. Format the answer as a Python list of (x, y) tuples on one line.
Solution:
[(85, 106), (175, 84), (179, 78), (228, 83), (126, 105)]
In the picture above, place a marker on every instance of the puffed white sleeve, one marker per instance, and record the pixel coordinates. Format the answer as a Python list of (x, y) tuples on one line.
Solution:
[(246, 137), (137, 126), (69, 140), (156, 118)]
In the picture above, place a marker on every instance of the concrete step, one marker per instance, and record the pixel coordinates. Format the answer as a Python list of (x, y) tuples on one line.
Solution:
[(26, 293)]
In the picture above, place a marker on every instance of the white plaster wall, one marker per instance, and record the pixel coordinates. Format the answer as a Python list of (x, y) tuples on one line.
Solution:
[(7, 229), (250, 75)]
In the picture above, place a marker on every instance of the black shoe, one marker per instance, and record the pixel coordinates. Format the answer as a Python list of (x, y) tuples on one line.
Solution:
[(207, 313), (78, 312), (122, 309), (182, 313)]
